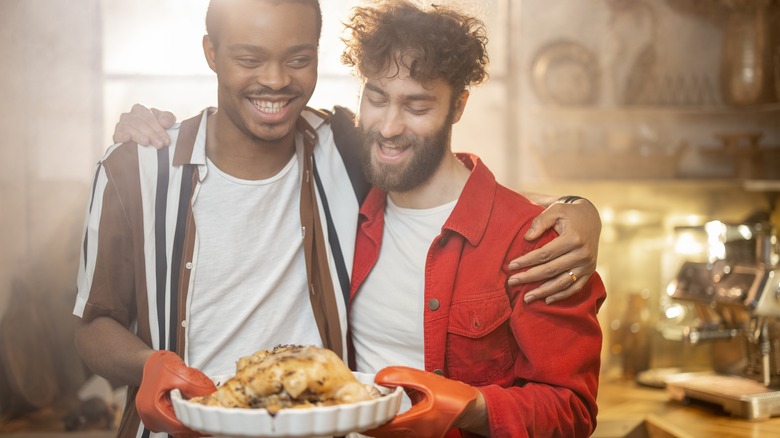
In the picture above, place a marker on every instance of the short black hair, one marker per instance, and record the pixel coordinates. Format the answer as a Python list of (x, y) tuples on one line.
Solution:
[(212, 15)]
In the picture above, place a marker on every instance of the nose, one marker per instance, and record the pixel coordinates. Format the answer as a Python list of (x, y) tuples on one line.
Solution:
[(392, 123), (274, 76)]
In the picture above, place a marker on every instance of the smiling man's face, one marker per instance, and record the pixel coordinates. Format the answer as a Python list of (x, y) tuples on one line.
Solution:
[(266, 65), (406, 127)]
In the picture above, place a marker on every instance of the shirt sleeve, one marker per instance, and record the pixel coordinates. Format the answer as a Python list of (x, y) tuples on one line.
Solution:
[(557, 367), (106, 277)]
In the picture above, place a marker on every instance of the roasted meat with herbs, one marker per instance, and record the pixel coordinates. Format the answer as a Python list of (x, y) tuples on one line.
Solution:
[(289, 376)]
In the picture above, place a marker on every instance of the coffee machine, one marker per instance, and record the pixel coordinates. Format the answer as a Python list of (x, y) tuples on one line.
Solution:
[(736, 297)]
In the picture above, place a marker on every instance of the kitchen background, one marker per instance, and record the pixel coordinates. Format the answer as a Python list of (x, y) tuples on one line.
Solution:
[(665, 113)]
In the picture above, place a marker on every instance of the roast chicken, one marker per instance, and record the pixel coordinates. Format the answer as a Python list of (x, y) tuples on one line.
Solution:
[(289, 376)]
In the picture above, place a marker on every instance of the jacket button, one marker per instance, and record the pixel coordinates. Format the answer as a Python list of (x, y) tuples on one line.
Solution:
[(433, 304), (188, 265), (443, 241), (439, 372)]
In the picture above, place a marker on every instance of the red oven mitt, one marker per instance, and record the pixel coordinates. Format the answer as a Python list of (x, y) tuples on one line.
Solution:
[(437, 402), (164, 371)]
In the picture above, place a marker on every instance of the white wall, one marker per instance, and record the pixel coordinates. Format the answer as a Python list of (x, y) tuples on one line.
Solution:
[(49, 117)]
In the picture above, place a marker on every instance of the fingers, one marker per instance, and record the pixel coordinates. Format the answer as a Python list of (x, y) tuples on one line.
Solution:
[(560, 288), (165, 118), (546, 256), (541, 223), (126, 132), (558, 268), (142, 126), (565, 275)]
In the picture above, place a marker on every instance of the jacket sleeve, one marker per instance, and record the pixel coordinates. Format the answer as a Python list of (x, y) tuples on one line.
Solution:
[(557, 366)]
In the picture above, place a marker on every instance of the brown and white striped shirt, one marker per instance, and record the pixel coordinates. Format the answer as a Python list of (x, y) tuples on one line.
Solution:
[(140, 242)]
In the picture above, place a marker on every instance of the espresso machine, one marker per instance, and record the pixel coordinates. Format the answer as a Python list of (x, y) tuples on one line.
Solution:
[(735, 294)]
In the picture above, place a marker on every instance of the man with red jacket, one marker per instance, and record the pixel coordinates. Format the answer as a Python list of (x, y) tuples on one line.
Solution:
[(436, 235)]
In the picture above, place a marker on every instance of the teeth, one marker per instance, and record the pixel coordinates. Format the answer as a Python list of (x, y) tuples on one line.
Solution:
[(391, 150), (391, 146), (269, 107)]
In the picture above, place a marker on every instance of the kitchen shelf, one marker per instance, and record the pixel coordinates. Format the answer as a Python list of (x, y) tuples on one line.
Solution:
[(653, 143), (633, 111), (762, 185)]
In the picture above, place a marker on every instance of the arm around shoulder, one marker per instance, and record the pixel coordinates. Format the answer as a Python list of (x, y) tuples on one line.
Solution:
[(566, 262)]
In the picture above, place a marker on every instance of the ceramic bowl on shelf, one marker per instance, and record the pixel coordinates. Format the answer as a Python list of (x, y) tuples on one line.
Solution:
[(565, 73)]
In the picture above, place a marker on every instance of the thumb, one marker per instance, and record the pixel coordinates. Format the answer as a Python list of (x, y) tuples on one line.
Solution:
[(538, 226), (393, 376)]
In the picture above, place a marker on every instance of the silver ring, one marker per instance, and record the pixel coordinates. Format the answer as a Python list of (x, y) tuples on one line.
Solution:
[(573, 277)]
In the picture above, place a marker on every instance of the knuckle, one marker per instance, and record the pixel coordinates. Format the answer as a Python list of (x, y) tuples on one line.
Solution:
[(549, 271), (544, 256)]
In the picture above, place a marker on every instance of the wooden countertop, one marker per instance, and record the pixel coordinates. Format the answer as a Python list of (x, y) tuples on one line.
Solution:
[(633, 411)]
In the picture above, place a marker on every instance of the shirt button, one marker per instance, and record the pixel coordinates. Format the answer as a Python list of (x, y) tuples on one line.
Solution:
[(188, 265), (439, 372), (184, 323), (433, 304)]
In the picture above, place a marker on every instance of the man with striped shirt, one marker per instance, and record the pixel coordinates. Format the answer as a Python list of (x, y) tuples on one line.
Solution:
[(239, 236)]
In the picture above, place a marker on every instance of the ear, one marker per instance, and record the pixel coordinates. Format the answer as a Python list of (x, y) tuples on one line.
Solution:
[(209, 51), (460, 106)]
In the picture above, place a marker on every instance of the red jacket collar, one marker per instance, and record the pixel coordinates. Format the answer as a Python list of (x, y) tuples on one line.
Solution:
[(472, 211)]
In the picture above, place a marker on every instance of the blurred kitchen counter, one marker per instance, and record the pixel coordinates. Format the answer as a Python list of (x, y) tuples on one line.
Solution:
[(629, 410)]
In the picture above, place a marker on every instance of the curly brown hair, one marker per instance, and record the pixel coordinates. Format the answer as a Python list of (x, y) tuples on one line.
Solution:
[(433, 43)]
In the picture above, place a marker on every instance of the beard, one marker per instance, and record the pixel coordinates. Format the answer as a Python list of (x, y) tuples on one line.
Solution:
[(427, 155)]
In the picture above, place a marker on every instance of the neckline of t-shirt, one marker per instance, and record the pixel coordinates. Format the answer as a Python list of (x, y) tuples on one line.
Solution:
[(259, 182), (439, 209)]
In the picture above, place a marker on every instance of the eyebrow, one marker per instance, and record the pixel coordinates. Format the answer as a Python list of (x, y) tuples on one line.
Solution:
[(416, 97), (260, 50)]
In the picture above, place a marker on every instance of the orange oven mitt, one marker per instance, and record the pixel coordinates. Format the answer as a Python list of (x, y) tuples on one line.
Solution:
[(164, 371), (437, 402)]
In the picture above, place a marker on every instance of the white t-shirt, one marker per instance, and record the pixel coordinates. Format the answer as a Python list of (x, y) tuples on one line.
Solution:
[(250, 257), (387, 313)]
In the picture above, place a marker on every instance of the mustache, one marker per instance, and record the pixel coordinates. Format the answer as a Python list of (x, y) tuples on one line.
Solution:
[(270, 92), (373, 136)]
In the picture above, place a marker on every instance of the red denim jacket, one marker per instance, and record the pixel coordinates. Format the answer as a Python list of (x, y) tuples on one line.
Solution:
[(537, 365)]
